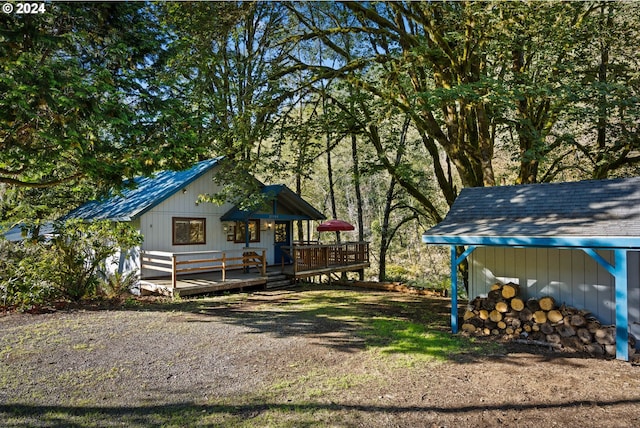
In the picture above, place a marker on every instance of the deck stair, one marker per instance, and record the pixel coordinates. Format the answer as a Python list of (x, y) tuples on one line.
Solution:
[(276, 279)]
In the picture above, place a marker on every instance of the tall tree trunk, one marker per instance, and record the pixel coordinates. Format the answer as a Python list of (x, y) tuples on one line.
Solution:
[(385, 234), (356, 185), (528, 172), (602, 168)]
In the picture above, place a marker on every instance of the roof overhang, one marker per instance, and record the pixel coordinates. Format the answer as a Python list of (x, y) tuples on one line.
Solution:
[(595, 242), (286, 205)]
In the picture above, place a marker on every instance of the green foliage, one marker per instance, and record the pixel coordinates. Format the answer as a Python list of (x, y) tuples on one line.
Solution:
[(398, 273), (116, 284), (21, 283), (84, 104), (72, 265), (78, 252)]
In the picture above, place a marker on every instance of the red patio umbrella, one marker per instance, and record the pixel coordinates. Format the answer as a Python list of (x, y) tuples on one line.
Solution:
[(335, 225)]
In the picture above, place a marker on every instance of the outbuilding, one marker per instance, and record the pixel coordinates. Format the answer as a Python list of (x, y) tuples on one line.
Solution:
[(578, 242)]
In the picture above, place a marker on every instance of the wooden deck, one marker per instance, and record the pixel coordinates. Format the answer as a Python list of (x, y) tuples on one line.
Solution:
[(310, 259), (208, 282), (203, 271), (192, 273)]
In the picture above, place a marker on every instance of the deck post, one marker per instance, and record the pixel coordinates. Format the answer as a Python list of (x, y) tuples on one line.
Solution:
[(264, 262), (326, 256), (224, 266), (174, 275)]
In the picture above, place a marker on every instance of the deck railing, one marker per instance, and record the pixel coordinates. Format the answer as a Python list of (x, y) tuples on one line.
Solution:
[(315, 257), (203, 261)]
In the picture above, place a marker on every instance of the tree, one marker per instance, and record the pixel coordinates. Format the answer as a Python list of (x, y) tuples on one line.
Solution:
[(225, 55), (78, 96)]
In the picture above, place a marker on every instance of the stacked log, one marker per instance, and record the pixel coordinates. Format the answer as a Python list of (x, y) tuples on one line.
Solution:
[(539, 321)]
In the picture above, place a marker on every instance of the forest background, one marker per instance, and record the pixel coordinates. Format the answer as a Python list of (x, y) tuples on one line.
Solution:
[(377, 113)]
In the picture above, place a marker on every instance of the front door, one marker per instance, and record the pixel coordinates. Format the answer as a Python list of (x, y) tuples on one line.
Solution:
[(282, 239)]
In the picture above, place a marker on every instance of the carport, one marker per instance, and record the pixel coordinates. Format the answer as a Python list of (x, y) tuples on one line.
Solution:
[(587, 216)]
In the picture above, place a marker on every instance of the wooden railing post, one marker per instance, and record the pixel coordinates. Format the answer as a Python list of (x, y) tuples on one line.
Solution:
[(264, 263), (174, 278), (326, 256), (224, 266)]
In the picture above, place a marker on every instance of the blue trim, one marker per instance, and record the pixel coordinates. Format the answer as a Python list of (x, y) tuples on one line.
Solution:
[(244, 215), (465, 254), (455, 262), (619, 271), (622, 306), (602, 242), (598, 258), (454, 290), (283, 199), (620, 246)]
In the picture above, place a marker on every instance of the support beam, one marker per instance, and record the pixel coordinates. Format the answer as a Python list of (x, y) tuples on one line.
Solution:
[(455, 262), (454, 290), (620, 275), (622, 306)]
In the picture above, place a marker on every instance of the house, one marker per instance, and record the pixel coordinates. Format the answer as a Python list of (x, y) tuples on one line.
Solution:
[(578, 242), (182, 235)]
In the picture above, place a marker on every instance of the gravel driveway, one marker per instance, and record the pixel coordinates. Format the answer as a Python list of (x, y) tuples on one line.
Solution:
[(301, 357)]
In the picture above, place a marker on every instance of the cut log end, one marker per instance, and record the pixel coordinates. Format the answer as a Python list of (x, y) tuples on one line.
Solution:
[(547, 303), (510, 290)]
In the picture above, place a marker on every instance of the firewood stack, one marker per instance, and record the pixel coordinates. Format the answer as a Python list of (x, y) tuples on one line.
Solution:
[(540, 322)]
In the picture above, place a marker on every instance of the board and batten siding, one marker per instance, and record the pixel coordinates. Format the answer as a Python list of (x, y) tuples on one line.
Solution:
[(571, 277), (156, 224)]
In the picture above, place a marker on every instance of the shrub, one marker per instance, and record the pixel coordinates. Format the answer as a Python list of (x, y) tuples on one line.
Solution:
[(116, 284), (70, 265), (21, 282), (79, 252)]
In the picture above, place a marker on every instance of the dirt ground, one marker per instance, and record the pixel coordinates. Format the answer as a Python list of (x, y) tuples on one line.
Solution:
[(306, 356)]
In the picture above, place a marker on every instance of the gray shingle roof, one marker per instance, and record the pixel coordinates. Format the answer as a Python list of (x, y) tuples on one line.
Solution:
[(584, 209)]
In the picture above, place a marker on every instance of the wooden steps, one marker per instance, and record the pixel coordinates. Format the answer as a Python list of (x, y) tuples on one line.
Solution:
[(277, 280)]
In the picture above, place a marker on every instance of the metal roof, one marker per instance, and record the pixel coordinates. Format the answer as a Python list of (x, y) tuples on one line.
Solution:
[(591, 213), (286, 205), (147, 193)]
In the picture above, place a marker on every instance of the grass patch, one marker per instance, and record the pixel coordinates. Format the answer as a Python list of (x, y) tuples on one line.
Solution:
[(395, 336)]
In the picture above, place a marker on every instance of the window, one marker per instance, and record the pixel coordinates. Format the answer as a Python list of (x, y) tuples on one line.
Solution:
[(188, 231), (254, 231)]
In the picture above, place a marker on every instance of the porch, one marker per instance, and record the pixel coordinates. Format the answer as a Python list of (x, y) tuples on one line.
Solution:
[(308, 259), (198, 272)]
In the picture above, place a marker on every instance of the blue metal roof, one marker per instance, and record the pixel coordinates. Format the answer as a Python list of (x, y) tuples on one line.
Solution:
[(147, 193)]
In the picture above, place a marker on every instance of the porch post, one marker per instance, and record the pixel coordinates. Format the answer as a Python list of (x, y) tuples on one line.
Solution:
[(454, 290), (620, 274), (455, 261), (622, 305), (247, 240)]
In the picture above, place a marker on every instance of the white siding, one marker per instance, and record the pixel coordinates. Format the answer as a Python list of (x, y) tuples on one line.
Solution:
[(571, 276), (156, 224)]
